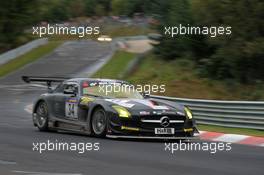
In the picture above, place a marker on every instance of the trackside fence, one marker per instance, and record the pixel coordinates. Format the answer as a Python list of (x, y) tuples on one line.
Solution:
[(238, 114), (11, 54)]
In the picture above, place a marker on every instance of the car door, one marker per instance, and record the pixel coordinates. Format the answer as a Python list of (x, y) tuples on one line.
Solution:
[(66, 103)]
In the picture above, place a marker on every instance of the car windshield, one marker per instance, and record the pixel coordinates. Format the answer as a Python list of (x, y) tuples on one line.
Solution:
[(110, 90)]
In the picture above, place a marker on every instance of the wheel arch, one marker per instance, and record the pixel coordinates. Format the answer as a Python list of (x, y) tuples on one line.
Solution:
[(90, 114), (94, 108), (37, 103), (34, 111)]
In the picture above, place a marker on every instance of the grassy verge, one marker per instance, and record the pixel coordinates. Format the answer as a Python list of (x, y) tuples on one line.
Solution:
[(112, 31), (115, 66), (126, 31), (229, 130), (182, 80), (28, 57)]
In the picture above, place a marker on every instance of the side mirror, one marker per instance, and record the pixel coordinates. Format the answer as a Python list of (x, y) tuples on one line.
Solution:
[(145, 95)]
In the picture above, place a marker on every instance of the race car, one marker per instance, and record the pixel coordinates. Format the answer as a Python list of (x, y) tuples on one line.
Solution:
[(104, 38), (82, 105)]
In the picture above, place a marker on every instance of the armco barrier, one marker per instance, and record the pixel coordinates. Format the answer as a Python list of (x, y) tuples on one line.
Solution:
[(9, 55), (238, 114)]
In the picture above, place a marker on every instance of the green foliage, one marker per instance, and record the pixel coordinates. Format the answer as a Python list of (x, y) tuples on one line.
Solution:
[(241, 55), (238, 56), (89, 7), (180, 45), (129, 7), (119, 7), (15, 16), (181, 80), (99, 10)]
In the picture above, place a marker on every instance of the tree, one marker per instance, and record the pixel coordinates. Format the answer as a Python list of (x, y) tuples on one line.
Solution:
[(15, 16), (241, 55), (77, 8), (89, 7), (99, 10), (178, 13), (119, 7)]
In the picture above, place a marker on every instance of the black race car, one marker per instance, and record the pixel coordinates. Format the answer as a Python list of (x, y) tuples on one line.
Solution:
[(81, 105)]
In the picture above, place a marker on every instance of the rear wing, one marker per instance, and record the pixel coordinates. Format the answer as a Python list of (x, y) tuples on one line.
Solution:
[(48, 80)]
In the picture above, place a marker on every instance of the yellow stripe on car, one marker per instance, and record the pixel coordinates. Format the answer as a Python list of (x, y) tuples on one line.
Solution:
[(188, 129), (188, 112), (129, 128)]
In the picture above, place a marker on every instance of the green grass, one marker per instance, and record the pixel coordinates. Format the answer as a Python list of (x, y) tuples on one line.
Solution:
[(115, 66), (126, 31), (112, 31), (229, 130), (28, 57), (182, 80)]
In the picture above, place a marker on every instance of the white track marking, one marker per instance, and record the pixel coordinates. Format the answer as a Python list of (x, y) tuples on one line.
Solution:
[(29, 108), (5, 162), (22, 87), (262, 144), (42, 173), (17, 101), (201, 132), (232, 138)]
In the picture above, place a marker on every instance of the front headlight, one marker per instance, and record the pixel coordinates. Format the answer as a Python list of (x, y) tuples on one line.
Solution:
[(188, 112), (122, 112)]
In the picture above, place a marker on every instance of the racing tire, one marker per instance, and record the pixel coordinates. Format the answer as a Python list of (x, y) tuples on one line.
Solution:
[(99, 122), (42, 118), (190, 134)]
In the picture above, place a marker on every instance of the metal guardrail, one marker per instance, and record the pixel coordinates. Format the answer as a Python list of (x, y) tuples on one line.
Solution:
[(9, 55), (238, 114)]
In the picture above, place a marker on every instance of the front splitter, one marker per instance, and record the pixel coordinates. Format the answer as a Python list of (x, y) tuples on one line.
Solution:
[(152, 137)]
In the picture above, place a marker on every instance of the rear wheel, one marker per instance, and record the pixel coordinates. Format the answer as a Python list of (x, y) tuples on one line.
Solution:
[(99, 122), (42, 116)]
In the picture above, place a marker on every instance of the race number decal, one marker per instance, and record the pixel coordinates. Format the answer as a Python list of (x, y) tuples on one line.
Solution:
[(71, 109)]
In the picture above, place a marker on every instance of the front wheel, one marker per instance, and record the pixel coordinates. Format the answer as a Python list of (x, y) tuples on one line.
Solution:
[(42, 116), (99, 123)]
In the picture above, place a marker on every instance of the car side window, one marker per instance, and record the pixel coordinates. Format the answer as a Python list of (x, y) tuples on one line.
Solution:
[(66, 86), (71, 86), (59, 88)]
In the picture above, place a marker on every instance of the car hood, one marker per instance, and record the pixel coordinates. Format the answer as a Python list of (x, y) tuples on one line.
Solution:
[(148, 105)]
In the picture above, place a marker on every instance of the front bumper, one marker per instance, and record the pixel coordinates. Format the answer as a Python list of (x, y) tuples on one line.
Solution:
[(135, 127)]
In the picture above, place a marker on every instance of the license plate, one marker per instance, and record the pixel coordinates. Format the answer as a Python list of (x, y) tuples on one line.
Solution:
[(164, 131)]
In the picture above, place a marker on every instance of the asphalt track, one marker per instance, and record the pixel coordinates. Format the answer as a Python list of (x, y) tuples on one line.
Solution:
[(115, 156)]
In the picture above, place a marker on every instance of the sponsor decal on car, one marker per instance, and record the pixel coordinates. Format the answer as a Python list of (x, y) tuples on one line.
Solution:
[(151, 104), (85, 100), (71, 108), (94, 84), (72, 100), (123, 103), (144, 113)]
